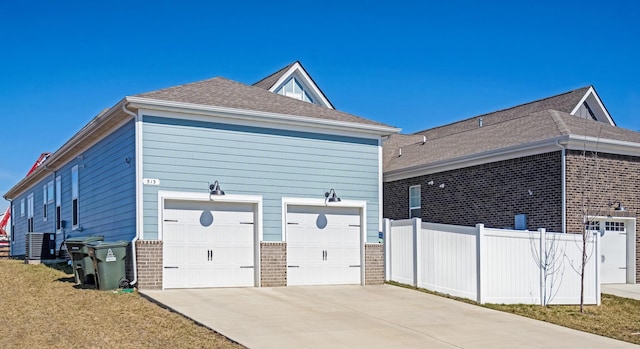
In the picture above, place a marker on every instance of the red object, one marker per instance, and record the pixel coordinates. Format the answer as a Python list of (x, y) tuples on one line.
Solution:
[(7, 214)]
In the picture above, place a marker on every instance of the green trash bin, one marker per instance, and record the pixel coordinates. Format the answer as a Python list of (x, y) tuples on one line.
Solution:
[(82, 263), (108, 262)]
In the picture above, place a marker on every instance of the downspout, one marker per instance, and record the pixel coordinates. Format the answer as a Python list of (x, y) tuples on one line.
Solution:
[(136, 237), (564, 186)]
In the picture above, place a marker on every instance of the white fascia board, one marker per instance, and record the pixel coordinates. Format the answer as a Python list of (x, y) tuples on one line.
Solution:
[(282, 120), (592, 91), (308, 82), (600, 145), (527, 149), (164, 195)]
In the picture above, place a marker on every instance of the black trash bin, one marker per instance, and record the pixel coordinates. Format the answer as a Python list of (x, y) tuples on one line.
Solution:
[(109, 263), (82, 263)]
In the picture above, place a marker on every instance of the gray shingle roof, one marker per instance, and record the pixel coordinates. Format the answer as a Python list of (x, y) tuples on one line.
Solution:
[(223, 92), (268, 82), (537, 126), (564, 102)]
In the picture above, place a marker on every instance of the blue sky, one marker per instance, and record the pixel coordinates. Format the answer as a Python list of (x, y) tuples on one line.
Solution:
[(409, 64)]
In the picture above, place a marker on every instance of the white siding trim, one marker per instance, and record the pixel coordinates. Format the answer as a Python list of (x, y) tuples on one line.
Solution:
[(298, 70), (139, 176)]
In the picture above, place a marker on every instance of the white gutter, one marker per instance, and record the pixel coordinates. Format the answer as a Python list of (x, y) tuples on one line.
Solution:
[(564, 187), (137, 236), (245, 114)]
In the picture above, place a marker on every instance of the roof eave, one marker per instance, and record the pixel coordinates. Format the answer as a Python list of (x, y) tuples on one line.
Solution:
[(64, 153), (245, 114), (572, 142)]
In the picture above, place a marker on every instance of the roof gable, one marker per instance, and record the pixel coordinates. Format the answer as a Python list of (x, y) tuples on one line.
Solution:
[(278, 81)]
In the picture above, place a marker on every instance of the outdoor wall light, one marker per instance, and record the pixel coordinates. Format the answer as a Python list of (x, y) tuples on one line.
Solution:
[(619, 207), (215, 189), (331, 196)]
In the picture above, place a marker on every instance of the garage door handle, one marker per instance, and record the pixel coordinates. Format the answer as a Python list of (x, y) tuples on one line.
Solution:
[(171, 267), (246, 222), (246, 266), (354, 266), (171, 220), (292, 223), (293, 266)]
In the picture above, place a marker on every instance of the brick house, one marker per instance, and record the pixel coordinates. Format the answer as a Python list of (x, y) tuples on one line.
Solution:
[(553, 163)]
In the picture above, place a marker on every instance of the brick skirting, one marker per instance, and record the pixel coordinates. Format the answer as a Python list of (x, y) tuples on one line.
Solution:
[(374, 264), (149, 263), (273, 264)]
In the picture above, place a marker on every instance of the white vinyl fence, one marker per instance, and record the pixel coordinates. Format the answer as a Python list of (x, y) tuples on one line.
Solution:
[(492, 265)]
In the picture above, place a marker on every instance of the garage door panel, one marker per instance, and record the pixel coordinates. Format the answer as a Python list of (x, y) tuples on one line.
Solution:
[(323, 245), (208, 244)]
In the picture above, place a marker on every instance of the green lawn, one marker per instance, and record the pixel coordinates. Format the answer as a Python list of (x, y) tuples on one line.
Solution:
[(42, 308)]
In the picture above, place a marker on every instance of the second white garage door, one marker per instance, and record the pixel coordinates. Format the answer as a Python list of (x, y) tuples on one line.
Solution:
[(208, 244), (323, 245)]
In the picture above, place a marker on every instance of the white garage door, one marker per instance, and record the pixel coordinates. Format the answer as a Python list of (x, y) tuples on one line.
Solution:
[(208, 244), (613, 249), (323, 245)]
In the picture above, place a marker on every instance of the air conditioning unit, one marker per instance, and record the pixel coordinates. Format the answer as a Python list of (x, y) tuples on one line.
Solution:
[(41, 245)]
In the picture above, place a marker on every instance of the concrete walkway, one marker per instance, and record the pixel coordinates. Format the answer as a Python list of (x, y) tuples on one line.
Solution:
[(364, 317), (622, 290)]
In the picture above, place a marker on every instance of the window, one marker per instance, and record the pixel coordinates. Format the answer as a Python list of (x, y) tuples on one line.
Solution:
[(295, 90), (47, 198), (592, 226), (414, 201), (22, 208), (58, 203), (13, 226), (74, 197), (614, 226), (30, 213), (44, 202)]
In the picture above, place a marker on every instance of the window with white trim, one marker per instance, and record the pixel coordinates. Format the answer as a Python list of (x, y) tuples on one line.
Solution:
[(414, 201), (294, 89), (614, 226), (58, 203), (592, 226), (30, 203), (74, 197), (44, 202), (22, 207)]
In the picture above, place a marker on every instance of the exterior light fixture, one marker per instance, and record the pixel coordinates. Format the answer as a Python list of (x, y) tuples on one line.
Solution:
[(331, 196), (619, 207), (215, 189)]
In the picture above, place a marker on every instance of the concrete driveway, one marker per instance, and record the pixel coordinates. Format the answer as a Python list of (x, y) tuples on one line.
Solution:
[(364, 317)]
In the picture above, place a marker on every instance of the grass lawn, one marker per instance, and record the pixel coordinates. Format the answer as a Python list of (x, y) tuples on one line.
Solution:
[(617, 317), (42, 308)]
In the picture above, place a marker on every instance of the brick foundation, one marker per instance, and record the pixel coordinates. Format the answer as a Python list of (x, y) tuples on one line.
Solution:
[(374, 264), (273, 264), (149, 263)]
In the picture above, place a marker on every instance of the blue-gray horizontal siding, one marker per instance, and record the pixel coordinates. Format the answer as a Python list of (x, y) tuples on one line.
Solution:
[(188, 155), (106, 198)]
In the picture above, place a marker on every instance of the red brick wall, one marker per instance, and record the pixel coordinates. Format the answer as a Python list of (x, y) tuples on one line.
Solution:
[(491, 194), (594, 181)]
